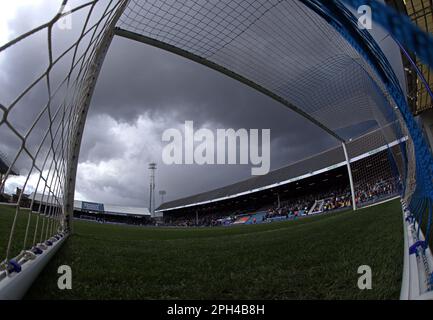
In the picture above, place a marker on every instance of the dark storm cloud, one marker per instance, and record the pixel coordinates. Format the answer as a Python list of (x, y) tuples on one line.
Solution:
[(141, 79), (141, 92)]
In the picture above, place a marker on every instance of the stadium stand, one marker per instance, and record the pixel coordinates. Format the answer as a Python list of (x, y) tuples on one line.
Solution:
[(308, 189), (103, 213), (421, 13), (363, 147)]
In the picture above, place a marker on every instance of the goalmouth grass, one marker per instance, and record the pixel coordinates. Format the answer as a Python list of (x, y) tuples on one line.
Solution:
[(312, 258)]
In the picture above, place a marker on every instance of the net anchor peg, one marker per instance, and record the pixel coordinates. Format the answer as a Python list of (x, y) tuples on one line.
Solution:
[(413, 249)]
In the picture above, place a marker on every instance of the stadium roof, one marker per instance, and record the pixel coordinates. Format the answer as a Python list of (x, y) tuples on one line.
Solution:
[(357, 149)]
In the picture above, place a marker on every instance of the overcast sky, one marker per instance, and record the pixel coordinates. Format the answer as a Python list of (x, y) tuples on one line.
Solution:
[(141, 92)]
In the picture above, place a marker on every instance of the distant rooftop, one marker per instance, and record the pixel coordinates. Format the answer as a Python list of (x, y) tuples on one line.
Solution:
[(117, 209)]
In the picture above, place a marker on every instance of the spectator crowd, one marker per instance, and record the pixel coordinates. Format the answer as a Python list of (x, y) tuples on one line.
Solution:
[(366, 192)]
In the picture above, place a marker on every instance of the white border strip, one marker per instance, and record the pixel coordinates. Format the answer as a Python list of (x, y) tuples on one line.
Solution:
[(15, 285), (416, 269), (304, 176)]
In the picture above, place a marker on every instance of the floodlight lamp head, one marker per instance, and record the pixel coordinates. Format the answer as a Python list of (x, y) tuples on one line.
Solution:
[(152, 166)]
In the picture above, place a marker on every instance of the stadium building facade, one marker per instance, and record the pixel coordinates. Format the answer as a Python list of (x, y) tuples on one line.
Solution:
[(419, 76)]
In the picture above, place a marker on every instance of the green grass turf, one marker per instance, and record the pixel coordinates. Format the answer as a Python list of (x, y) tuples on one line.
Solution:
[(312, 258), (6, 219)]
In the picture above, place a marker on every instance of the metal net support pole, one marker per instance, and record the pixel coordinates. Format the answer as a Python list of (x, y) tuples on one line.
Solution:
[(349, 171), (87, 93)]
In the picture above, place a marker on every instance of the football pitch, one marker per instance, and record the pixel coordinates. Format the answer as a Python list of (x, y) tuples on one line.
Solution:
[(312, 258)]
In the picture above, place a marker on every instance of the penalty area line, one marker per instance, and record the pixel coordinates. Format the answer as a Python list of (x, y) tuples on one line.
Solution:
[(379, 203)]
